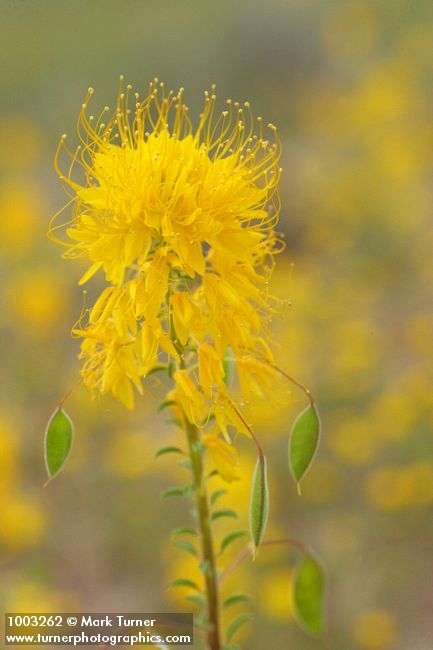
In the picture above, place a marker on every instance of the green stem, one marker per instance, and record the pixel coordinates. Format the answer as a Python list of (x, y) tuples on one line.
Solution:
[(207, 546)]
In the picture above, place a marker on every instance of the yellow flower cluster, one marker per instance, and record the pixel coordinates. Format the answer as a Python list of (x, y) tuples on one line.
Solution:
[(181, 223)]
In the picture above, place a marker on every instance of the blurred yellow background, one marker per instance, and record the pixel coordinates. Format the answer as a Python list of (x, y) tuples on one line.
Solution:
[(349, 84)]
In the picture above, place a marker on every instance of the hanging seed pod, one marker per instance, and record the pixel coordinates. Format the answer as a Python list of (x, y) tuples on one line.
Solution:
[(303, 442), (308, 595), (259, 503), (58, 442)]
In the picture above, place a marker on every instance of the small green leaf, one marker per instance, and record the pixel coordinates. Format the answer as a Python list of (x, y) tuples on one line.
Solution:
[(303, 442), (58, 441), (173, 492), (308, 593), (166, 404), (188, 490), (259, 502), (168, 450), (231, 537), (236, 624), (183, 531), (157, 369), (188, 547), (216, 495), (205, 567), (183, 582), (223, 513), (173, 421), (196, 598), (237, 598)]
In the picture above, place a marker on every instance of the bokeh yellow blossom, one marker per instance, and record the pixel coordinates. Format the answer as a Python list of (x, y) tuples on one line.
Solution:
[(20, 211), (376, 630), (23, 522)]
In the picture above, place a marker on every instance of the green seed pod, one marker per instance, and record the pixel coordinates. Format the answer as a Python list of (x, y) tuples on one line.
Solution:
[(259, 503), (304, 439), (308, 594), (58, 441)]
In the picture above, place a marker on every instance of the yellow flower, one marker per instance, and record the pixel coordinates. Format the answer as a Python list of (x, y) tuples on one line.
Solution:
[(255, 376), (20, 211), (187, 317), (395, 487), (111, 361), (38, 301), (224, 457), (181, 223), (23, 522), (210, 368), (189, 397), (375, 630), (8, 457), (149, 180)]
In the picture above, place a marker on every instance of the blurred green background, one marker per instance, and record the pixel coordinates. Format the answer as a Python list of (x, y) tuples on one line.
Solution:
[(349, 84)]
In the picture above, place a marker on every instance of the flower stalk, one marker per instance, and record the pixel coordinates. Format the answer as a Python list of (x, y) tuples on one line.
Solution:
[(208, 561)]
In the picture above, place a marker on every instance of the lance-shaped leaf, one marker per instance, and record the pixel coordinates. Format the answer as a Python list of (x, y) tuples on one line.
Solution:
[(303, 442), (237, 598), (187, 546), (183, 582), (196, 598), (232, 537), (173, 492), (236, 624), (308, 594), (166, 404), (218, 514), (168, 450), (259, 503), (184, 530), (58, 441), (216, 495)]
